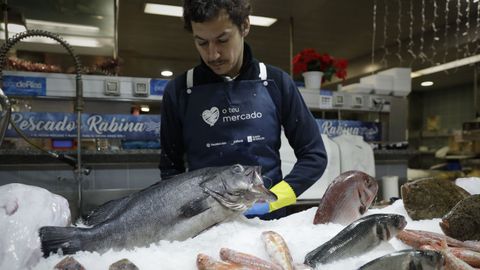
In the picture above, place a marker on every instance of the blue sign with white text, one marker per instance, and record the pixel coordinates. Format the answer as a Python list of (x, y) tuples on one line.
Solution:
[(24, 86), (370, 131), (157, 87), (109, 126)]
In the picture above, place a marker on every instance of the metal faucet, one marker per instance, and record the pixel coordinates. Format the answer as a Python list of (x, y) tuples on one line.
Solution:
[(6, 108), (5, 112)]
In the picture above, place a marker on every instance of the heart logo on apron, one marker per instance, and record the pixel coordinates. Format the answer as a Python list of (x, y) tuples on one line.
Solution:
[(211, 116)]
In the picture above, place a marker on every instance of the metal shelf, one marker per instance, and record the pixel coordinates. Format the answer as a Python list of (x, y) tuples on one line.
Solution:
[(62, 86)]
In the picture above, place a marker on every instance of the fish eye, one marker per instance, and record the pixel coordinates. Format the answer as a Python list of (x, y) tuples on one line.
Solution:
[(237, 168)]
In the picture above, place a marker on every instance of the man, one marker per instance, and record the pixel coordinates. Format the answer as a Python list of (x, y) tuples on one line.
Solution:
[(231, 109)]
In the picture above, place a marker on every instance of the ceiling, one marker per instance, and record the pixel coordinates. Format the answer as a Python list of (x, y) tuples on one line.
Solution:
[(148, 44)]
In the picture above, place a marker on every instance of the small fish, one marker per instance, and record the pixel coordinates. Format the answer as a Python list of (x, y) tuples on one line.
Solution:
[(205, 262), (347, 198), (451, 261), (246, 260), (468, 256), (277, 249), (174, 209), (416, 238), (357, 238), (408, 259)]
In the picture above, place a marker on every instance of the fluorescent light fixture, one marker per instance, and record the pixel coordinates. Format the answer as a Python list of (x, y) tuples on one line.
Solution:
[(14, 28), (449, 65), (167, 10), (72, 40), (474, 1), (371, 68), (426, 83), (61, 27), (82, 41), (262, 21), (166, 73), (177, 11), (144, 108)]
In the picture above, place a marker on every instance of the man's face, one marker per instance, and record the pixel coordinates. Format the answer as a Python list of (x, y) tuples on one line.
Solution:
[(220, 44)]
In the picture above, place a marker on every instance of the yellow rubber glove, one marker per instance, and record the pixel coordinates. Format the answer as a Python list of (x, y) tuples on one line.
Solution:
[(285, 196)]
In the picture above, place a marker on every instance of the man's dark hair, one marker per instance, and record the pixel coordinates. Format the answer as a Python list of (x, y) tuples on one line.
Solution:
[(203, 10)]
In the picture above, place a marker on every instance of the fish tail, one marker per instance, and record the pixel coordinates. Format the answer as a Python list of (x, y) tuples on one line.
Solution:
[(65, 239)]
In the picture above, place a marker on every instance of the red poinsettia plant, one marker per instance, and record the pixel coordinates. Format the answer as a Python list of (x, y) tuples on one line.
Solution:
[(310, 60)]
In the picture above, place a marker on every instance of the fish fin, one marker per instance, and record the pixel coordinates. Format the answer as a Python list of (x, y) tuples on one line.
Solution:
[(194, 208), (105, 211), (54, 239)]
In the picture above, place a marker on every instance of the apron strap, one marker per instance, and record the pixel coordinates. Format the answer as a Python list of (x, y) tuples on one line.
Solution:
[(190, 78), (263, 71), (262, 75)]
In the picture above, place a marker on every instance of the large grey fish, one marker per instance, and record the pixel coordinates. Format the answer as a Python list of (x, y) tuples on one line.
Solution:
[(347, 198), (357, 238), (408, 259), (174, 209)]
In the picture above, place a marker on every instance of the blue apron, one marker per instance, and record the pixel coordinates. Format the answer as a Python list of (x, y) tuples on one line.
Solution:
[(233, 122)]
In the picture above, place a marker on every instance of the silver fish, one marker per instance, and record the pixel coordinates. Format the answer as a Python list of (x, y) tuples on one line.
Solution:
[(347, 198), (357, 238), (408, 259), (174, 209)]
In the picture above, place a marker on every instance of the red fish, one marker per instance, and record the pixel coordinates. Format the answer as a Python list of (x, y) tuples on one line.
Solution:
[(205, 262), (347, 198), (277, 249), (247, 260)]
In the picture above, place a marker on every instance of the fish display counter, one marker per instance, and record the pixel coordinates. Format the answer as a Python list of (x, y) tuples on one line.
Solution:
[(15, 157), (364, 239), (244, 235)]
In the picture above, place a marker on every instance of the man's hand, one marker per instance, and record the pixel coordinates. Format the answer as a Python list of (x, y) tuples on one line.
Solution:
[(285, 196)]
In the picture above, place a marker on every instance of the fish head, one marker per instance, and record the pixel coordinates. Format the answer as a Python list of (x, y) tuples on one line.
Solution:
[(431, 259), (238, 187), (388, 225), (367, 189)]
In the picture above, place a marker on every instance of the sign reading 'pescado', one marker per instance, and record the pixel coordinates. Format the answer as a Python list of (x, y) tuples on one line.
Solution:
[(63, 125), (369, 130)]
